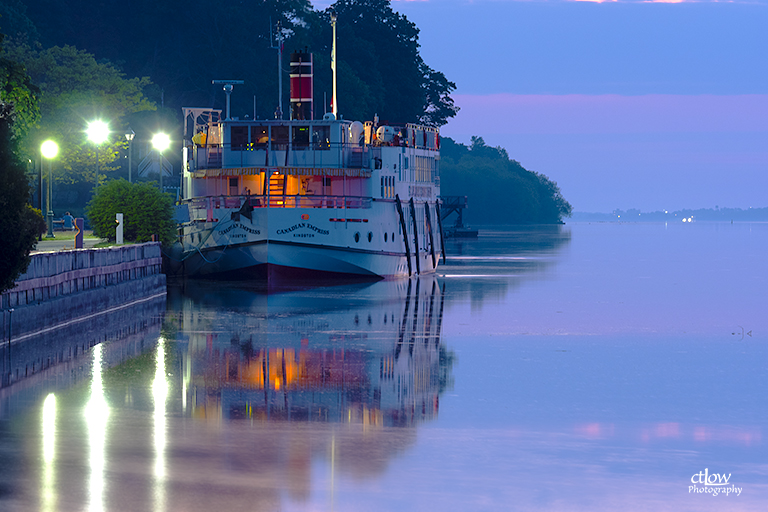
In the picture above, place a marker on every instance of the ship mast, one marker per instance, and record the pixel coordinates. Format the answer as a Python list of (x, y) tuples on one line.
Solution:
[(279, 48), (333, 65)]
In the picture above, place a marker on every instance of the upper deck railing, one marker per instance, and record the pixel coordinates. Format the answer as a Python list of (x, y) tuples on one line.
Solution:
[(334, 156), (204, 208)]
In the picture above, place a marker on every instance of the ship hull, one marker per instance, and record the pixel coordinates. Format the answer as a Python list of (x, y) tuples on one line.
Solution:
[(298, 242)]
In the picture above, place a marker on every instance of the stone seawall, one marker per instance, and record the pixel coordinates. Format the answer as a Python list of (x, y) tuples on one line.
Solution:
[(73, 286)]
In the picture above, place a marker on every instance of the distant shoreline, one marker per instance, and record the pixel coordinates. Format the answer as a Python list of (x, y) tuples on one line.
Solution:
[(702, 214)]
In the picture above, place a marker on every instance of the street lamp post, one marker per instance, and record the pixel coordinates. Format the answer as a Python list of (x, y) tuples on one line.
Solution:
[(160, 142), (49, 149), (97, 132), (40, 189), (129, 136)]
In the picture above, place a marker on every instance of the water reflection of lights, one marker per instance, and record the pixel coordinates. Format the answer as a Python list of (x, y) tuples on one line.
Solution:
[(48, 490), (496, 258), (159, 396), (477, 276), (96, 415)]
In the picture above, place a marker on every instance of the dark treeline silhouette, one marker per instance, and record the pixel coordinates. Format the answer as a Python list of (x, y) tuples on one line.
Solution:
[(183, 45), (499, 190)]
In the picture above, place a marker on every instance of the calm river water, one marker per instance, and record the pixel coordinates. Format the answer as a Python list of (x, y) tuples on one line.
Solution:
[(582, 367)]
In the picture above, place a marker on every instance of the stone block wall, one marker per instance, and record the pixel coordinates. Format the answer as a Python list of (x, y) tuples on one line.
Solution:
[(66, 286)]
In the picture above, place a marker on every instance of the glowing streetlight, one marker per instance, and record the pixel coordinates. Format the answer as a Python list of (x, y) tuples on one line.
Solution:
[(49, 149), (98, 132), (160, 142)]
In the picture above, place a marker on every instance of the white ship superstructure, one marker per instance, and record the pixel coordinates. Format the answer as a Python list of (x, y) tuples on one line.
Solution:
[(304, 195)]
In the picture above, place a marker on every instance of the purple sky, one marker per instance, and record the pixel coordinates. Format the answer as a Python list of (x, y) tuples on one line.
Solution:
[(650, 105)]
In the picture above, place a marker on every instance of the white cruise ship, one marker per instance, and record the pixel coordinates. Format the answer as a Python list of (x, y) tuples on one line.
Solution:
[(302, 197)]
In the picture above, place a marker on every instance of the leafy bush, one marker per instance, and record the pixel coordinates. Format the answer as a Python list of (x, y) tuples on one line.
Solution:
[(18, 239), (146, 212)]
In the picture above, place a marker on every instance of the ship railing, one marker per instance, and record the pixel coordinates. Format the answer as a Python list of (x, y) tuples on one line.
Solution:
[(204, 208), (335, 156)]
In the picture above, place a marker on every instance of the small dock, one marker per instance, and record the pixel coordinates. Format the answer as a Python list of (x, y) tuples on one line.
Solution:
[(451, 205)]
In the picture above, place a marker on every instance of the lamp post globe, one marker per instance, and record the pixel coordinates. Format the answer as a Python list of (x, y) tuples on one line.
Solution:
[(49, 150), (160, 142), (97, 132)]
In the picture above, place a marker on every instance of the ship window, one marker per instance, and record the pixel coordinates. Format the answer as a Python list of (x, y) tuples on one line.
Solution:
[(321, 137), (239, 137), (259, 136), (300, 137), (279, 138)]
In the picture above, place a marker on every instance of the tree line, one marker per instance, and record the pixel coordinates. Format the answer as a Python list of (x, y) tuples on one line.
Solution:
[(137, 64), (499, 189)]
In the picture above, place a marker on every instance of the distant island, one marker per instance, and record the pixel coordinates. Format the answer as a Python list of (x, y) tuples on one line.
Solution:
[(702, 214)]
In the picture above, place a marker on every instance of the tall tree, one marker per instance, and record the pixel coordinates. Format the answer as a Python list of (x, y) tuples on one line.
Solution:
[(21, 224), (381, 47), (379, 66)]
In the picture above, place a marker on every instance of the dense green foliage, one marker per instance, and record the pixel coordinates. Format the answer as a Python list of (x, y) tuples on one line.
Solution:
[(145, 210), (379, 67), (499, 190), (18, 90), (21, 225), (74, 89)]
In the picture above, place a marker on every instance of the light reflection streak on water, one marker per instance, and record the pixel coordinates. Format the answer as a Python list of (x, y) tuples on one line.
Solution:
[(333, 468), (159, 396), (453, 276), (48, 490), (185, 380), (96, 415), (494, 258)]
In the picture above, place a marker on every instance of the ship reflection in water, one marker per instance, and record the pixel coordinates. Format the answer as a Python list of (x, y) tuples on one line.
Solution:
[(368, 355), (340, 376)]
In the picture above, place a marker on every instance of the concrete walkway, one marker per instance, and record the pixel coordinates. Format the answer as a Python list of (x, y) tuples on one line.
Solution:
[(64, 244)]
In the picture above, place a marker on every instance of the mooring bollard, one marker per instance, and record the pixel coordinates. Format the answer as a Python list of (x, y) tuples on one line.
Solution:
[(79, 225)]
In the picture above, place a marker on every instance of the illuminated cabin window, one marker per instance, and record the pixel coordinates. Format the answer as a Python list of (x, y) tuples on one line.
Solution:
[(259, 137), (321, 137), (239, 137), (300, 137)]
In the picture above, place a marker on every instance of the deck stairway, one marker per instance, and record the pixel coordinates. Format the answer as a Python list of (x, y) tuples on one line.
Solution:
[(277, 190)]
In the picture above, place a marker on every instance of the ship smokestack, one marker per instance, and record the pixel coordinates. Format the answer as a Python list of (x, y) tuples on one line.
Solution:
[(302, 86)]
